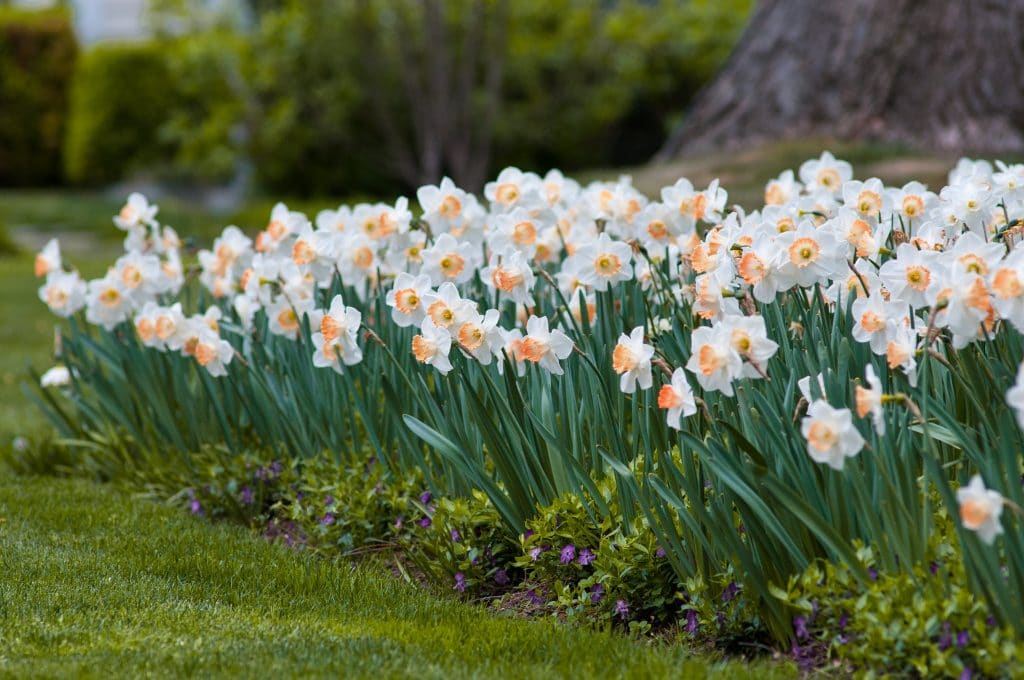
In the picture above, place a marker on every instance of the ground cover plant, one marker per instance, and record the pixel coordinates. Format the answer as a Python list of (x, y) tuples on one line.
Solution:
[(650, 412)]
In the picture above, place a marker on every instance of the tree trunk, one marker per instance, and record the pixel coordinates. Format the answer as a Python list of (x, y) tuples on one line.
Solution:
[(940, 74)]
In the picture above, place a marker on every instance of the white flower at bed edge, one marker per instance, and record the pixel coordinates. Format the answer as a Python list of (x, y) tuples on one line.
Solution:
[(58, 376), (980, 509), (831, 435)]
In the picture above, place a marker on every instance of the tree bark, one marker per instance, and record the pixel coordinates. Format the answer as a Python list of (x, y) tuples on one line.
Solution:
[(939, 74)]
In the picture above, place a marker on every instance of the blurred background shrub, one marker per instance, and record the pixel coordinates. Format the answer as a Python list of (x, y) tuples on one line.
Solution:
[(281, 95), (37, 58), (122, 96)]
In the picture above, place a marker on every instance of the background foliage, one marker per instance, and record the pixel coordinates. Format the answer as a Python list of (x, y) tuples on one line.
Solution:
[(37, 56)]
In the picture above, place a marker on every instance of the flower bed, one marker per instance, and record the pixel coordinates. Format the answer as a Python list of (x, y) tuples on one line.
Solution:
[(720, 401)]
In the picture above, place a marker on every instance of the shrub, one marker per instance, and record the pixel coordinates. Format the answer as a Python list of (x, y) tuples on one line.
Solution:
[(37, 57), (121, 97), (7, 244)]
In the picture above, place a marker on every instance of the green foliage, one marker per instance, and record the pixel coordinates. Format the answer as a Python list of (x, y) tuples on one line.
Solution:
[(460, 544), (602, 83), (312, 130), (599, 571), (121, 96), (204, 125), (37, 57), (341, 510), (925, 622), (585, 83)]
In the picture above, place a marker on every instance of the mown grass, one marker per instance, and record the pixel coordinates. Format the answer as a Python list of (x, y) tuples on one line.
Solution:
[(97, 583), (76, 211)]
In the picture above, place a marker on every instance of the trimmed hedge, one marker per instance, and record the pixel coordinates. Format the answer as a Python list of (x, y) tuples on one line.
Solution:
[(37, 58), (120, 99)]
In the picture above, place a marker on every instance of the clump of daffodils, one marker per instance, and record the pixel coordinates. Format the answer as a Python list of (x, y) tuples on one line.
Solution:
[(508, 279)]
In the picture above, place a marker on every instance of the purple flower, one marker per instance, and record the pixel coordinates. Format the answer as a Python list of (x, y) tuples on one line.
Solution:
[(730, 591), (535, 597), (195, 506), (425, 497), (800, 627), (529, 532), (691, 621), (945, 639), (990, 621), (535, 552), (398, 522), (586, 557), (568, 554), (455, 535), (844, 620), (967, 673), (275, 467), (460, 582), (328, 500), (425, 522), (596, 593), (962, 638), (873, 573), (933, 567), (327, 520), (247, 495), (621, 609), (501, 577), (660, 552)]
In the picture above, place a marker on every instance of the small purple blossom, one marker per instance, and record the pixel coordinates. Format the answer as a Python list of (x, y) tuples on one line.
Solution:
[(962, 638), (730, 591), (873, 573), (195, 506), (501, 577), (398, 522), (424, 522), (535, 552), (933, 567), (568, 554), (275, 468), (529, 532), (328, 500), (990, 621), (425, 497), (966, 673), (460, 582), (622, 609), (327, 520), (844, 621), (691, 622), (800, 627), (596, 593), (945, 639), (660, 552), (455, 535), (586, 557), (247, 495), (535, 597)]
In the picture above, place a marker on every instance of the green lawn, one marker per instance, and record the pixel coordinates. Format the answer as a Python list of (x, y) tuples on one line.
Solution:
[(98, 583)]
